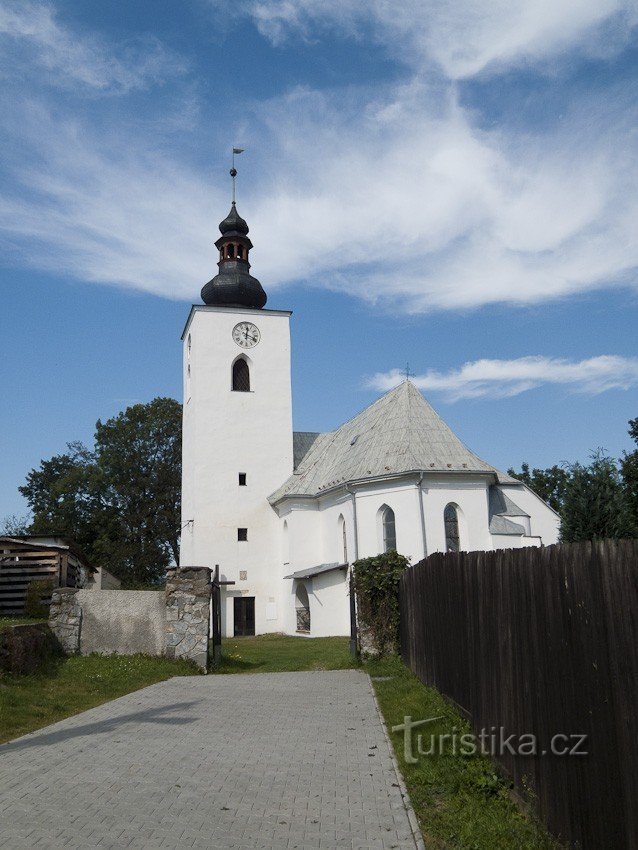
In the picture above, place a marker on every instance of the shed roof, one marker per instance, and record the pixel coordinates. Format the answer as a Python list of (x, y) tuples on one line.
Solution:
[(400, 432), (309, 572)]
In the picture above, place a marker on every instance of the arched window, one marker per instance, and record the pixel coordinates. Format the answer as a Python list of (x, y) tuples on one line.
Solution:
[(241, 376), (451, 519), (389, 529), (230, 252), (240, 252), (343, 539)]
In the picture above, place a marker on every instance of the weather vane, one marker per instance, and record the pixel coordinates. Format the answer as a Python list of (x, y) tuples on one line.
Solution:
[(408, 374), (233, 170)]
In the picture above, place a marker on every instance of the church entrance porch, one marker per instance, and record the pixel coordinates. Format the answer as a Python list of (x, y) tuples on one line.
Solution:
[(244, 615)]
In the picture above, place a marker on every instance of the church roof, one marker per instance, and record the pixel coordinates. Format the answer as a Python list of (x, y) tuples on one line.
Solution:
[(400, 432)]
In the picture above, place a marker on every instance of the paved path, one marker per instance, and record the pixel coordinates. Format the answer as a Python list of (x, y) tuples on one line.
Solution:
[(295, 760)]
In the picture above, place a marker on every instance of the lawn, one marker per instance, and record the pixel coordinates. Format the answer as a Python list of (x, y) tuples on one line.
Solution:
[(281, 653), (460, 801), (20, 621), (69, 685)]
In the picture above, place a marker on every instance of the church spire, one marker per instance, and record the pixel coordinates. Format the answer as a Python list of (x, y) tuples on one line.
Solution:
[(233, 286)]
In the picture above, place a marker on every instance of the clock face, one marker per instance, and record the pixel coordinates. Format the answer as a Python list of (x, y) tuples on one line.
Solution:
[(246, 335)]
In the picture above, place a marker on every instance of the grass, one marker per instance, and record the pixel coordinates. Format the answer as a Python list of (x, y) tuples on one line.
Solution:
[(20, 621), (67, 686), (281, 653), (460, 801)]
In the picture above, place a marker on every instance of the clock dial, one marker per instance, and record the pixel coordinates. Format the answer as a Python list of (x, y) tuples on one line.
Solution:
[(246, 335)]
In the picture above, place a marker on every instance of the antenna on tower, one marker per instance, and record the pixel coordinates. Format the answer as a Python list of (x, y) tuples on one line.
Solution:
[(233, 170)]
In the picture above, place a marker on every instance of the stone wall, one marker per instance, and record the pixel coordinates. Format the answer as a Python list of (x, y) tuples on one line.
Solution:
[(188, 593), (124, 622), (65, 618)]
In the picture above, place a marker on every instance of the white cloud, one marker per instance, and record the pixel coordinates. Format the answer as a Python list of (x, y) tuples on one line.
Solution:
[(396, 198), (463, 37), (505, 378), (34, 43)]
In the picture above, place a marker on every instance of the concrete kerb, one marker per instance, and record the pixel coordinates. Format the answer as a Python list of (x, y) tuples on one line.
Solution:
[(412, 818)]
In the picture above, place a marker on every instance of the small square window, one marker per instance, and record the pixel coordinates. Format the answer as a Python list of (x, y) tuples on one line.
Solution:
[(243, 575), (242, 534), (242, 479)]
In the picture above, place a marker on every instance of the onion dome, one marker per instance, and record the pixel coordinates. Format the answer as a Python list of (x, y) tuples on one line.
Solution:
[(233, 285), (233, 223)]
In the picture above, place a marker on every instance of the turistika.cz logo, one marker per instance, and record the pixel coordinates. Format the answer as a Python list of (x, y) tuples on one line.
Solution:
[(489, 742)]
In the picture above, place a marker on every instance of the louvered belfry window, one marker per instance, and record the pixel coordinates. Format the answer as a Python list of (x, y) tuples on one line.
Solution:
[(241, 376), (451, 520)]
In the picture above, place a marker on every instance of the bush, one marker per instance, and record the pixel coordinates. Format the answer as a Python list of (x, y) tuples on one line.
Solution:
[(376, 584), (38, 599)]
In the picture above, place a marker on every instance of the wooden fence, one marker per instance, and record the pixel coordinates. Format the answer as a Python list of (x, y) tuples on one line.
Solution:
[(541, 641), (24, 562)]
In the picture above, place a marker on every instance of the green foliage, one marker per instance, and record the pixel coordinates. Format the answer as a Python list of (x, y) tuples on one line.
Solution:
[(595, 506), (376, 584), (121, 500), (629, 469), (550, 484), (36, 603)]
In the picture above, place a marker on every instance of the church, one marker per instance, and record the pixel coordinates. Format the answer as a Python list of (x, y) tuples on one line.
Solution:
[(284, 513)]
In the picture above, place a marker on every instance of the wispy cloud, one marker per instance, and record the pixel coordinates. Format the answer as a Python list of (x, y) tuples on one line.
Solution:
[(32, 42), (505, 378), (463, 37), (397, 194)]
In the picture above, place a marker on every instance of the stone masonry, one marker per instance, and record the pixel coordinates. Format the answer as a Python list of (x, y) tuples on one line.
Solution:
[(65, 618), (188, 594)]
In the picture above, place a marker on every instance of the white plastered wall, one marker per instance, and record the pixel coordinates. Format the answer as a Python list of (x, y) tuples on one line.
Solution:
[(226, 433)]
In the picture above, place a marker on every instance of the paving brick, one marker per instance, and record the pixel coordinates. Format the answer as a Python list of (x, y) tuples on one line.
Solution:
[(245, 761)]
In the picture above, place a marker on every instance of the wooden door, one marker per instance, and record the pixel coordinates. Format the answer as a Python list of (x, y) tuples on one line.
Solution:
[(244, 620)]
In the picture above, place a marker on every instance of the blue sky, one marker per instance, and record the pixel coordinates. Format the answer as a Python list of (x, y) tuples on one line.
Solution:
[(453, 184)]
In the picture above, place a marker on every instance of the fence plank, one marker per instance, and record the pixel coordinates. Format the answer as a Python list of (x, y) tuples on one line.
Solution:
[(541, 641)]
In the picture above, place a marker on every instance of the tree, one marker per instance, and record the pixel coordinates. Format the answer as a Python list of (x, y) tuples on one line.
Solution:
[(595, 506), (629, 469), (14, 526), (550, 484), (121, 500)]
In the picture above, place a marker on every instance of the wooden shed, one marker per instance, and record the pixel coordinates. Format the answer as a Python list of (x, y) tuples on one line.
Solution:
[(24, 559)]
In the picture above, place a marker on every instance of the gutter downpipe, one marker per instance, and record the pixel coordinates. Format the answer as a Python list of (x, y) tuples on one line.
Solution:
[(422, 512), (353, 599)]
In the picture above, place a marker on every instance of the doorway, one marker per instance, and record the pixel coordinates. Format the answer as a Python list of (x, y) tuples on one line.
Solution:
[(244, 615)]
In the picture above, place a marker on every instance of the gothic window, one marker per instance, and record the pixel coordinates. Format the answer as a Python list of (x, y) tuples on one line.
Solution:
[(389, 530), (451, 520), (343, 540), (241, 376)]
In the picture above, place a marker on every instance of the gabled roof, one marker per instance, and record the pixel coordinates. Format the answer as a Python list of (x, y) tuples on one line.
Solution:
[(400, 432)]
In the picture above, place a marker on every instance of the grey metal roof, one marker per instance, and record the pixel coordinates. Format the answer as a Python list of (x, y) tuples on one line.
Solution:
[(502, 525), (302, 442), (309, 572), (500, 503), (400, 432)]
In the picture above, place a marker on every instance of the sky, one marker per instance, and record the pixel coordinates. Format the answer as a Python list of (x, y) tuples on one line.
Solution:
[(451, 185)]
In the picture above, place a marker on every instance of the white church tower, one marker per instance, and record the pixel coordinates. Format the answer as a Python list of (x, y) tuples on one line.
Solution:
[(237, 436)]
